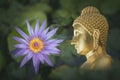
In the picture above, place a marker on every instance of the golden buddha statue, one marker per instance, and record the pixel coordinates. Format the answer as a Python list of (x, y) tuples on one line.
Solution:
[(90, 36)]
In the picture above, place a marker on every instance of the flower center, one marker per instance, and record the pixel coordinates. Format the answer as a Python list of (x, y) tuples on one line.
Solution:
[(36, 45)]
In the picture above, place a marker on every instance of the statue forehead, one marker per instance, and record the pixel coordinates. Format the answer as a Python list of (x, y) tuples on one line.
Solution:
[(79, 28)]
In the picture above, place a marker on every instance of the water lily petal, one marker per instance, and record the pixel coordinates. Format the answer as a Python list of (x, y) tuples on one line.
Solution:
[(42, 26), (30, 30), (51, 33), (21, 52), (26, 59), (37, 27), (41, 58), (20, 40), (48, 60), (36, 63), (20, 46), (22, 33)]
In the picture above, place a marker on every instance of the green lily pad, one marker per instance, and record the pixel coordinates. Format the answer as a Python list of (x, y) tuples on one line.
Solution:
[(32, 16), (67, 52)]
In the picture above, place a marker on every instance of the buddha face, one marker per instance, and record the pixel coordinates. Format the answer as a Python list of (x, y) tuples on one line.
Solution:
[(82, 41)]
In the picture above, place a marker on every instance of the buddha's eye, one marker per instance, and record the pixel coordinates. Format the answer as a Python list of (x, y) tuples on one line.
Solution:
[(76, 33)]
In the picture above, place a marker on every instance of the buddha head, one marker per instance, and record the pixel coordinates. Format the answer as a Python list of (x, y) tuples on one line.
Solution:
[(90, 31)]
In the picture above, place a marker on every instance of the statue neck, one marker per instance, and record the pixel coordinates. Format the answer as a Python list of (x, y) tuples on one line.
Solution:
[(89, 54), (93, 54)]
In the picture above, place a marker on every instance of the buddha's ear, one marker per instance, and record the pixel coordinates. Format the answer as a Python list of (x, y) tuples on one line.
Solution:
[(96, 34)]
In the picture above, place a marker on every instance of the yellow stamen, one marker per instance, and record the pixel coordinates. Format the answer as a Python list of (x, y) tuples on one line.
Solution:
[(36, 45)]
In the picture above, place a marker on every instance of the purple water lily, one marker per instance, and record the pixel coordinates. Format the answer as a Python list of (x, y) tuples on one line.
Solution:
[(37, 45)]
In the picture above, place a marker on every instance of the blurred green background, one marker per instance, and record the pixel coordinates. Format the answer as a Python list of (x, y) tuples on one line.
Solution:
[(61, 14)]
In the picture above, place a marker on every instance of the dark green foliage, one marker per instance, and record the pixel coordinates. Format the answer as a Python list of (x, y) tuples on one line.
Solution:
[(61, 14)]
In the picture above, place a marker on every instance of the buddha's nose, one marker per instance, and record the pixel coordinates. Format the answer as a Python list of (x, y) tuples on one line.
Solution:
[(73, 41)]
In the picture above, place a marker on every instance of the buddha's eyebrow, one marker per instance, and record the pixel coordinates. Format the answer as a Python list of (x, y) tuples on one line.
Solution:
[(77, 28)]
